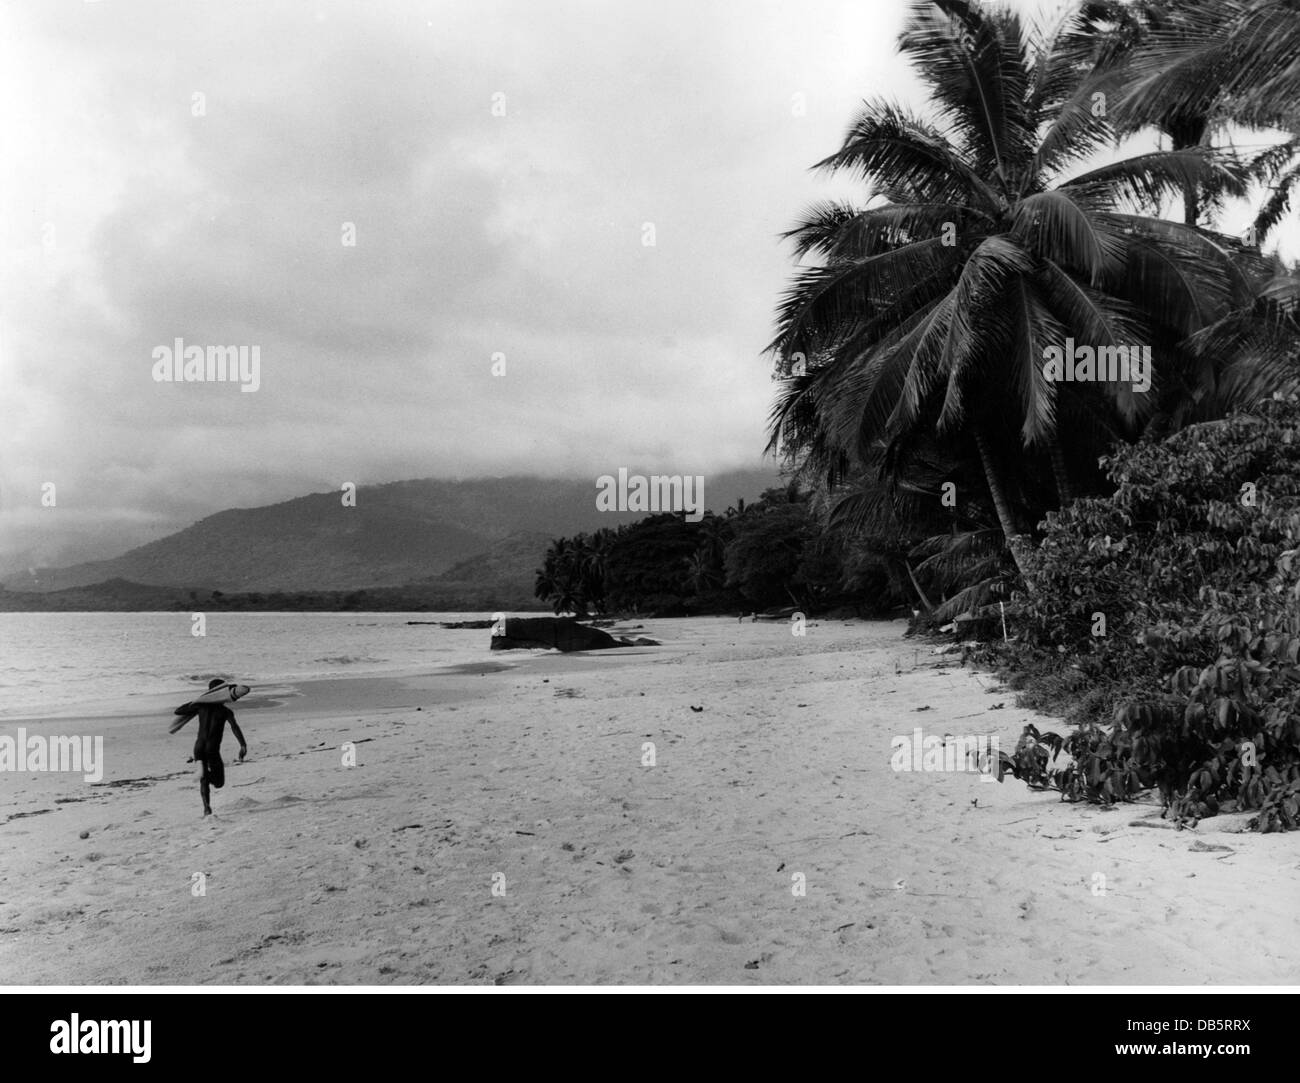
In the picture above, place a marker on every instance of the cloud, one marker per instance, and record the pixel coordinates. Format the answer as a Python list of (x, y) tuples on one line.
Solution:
[(196, 165)]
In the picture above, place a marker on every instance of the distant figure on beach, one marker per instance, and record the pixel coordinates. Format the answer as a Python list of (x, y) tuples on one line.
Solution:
[(207, 744)]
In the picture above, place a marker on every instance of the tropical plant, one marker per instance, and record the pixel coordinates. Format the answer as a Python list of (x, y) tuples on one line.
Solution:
[(1239, 58), (763, 560), (1181, 590), (929, 310)]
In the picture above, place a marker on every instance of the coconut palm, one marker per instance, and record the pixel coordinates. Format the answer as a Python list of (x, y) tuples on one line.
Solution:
[(715, 533), (563, 577), (1235, 57), (1109, 33), (701, 572), (1182, 74), (1193, 72), (937, 547), (1260, 341), (593, 567), (928, 311)]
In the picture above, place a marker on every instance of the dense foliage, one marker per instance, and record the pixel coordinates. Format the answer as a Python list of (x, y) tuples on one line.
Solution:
[(1179, 596), (769, 554)]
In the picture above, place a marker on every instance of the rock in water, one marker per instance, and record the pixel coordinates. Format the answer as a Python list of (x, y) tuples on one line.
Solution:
[(552, 633)]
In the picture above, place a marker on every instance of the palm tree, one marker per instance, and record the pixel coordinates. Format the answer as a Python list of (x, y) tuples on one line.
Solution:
[(1225, 62), (1233, 63), (1183, 75), (715, 534), (701, 573), (594, 567), (560, 580), (1239, 57), (930, 309), (955, 552), (1108, 34), (1260, 342)]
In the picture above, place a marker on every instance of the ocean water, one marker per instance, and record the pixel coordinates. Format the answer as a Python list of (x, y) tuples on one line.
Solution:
[(52, 662)]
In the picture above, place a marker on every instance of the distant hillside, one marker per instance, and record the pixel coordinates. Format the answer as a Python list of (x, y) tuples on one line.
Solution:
[(112, 596), (118, 595), (505, 572), (399, 533)]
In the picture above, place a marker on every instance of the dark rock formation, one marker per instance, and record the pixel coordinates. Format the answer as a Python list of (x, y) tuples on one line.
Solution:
[(552, 633)]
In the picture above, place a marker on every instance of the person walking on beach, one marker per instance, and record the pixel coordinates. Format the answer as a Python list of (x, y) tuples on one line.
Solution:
[(207, 744)]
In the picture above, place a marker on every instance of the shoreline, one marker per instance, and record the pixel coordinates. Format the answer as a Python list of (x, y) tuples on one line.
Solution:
[(613, 871), (275, 690)]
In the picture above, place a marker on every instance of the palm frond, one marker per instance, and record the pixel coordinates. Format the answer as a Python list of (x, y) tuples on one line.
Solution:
[(887, 146), (1278, 205), (1237, 58), (822, 301), (970, 599), (1056, 226), (1149, 179), (974, 61)]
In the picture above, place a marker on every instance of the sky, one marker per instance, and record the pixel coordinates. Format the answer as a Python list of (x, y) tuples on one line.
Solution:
[(195, 169)]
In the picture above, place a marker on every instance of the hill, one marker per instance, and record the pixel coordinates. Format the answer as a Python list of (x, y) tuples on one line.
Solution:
[(452, 535)]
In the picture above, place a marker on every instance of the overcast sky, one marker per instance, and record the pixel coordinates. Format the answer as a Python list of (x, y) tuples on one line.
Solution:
[(185, 168)]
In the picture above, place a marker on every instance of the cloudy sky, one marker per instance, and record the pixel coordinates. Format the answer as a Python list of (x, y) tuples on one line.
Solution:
[(190, 168)]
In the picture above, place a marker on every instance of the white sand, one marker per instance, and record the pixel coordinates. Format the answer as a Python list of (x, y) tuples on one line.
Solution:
[(617, 872)]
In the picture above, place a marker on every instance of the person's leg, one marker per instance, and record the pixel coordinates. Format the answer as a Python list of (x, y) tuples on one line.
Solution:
[(203, 787), (216, 770)]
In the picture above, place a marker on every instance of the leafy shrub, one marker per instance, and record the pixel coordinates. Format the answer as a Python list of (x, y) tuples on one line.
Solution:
[(1092, 764), (1194, 567)]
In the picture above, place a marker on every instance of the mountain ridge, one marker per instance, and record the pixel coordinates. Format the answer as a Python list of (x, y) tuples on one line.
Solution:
[(398, 533)]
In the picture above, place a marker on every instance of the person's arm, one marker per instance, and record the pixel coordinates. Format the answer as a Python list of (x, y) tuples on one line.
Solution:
[(239, 736)]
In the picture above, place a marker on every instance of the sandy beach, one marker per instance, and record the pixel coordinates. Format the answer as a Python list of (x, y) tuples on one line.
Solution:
[(529, 778)]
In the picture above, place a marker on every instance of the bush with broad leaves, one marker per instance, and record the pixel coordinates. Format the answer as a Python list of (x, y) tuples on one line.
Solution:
[(1193, 566)]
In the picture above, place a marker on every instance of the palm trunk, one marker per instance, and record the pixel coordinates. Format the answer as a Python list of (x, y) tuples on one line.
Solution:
[(1183, 136), (1016, 541), (925, 602), (899, 583), (1064, 493)]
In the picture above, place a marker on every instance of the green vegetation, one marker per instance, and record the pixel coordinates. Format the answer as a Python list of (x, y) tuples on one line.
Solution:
[(765, 555), (1170, 610)]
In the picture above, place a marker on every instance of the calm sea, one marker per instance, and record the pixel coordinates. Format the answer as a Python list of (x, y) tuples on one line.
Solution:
[(50, 662)]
